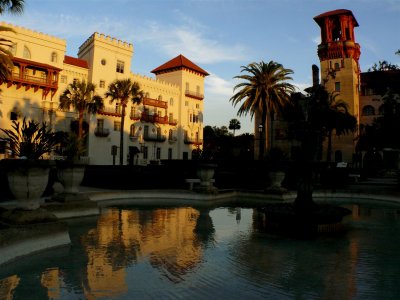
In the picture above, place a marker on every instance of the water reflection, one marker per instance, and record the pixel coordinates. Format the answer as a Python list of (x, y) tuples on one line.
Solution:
[(187, 252)]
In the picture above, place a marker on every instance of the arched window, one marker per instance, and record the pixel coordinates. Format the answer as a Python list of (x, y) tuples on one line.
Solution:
[(337, 67), (13, 49), (27, 53), (171, 101), (54, 57), (147, 95), (159, 97), (368, 110), (170, 134)]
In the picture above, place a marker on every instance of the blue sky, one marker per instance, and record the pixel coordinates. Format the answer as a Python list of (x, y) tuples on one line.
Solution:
[(218, 35)]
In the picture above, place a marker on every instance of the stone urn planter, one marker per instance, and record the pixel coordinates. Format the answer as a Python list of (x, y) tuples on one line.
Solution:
[(70, 174), (276, 178), (205, 172), (27, 180)]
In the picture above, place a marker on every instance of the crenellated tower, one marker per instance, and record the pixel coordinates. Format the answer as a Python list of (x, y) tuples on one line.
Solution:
[(340, 71)]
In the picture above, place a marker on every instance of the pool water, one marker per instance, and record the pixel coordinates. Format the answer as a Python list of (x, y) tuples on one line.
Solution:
[(185, 253)]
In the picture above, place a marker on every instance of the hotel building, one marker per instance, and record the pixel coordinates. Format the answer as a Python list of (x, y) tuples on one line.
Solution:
[(168, 124)]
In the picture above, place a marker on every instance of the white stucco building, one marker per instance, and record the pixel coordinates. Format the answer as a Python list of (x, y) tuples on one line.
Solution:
[(168, 124)]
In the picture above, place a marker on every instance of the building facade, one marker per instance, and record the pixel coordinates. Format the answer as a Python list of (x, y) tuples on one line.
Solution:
[(168, 124)]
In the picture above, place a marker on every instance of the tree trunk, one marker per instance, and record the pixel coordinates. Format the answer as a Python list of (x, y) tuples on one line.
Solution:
[(329, 147), (80, 124), (121, 136)]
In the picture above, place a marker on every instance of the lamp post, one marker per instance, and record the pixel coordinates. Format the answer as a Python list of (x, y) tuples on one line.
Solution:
[(261, 142)]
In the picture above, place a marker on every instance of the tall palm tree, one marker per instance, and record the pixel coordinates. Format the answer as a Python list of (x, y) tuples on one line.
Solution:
[(6, 65), (264, 91), (81, 96), (123, 90)]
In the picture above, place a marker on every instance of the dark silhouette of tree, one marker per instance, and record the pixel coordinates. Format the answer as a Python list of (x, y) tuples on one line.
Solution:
[(234, 125), (264, 90), (383, 65)]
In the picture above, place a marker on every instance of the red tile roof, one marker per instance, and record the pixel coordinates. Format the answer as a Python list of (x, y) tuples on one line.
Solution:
[(76, 62), (335, 12), (178, 63)]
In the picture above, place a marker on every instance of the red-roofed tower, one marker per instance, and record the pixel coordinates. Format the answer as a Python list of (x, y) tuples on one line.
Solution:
[(340, 71)]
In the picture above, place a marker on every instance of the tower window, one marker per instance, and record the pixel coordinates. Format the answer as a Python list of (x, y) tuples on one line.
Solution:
[(54, 57), (337, 86), (337, 67), (102, 84), (120, 66)]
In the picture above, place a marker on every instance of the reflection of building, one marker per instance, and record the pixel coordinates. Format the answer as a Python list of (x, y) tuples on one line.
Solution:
[(7, 286), (167, 125), (164, 236)]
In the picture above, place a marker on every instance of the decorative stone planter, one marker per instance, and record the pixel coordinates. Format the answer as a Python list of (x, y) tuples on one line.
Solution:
[(70, 174), (276, 178), (205, 172), (27, 180)]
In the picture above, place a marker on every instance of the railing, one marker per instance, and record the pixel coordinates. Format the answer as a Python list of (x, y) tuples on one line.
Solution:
[(154, 138), (113, 112), (33, 80), (194, 95), (194, 141), (155, 102), (154, 118), (135, 115), (101, 132)]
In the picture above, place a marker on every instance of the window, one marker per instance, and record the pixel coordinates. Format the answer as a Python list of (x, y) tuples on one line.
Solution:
[(146, 130), (120, 66), (100, 124), (13, 116), (103, 62), (158, 154), (186, 103), (187, 86), (117, 125), (147, 95), (337, 67), (169, 153), (198, 90), (53, 57), (117, 108), (64, 78), (171, 101), (337, 86), (75, 80), (159, 97), (132, 130), (102, 84), (197, 105), (368, 110), (171, 118), (27, 53), (170, 134), (145, 152)]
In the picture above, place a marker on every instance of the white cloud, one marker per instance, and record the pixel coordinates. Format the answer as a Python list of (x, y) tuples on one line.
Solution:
[(219, 86)]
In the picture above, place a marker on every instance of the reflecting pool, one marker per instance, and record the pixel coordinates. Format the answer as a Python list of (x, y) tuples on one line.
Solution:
[(185, 253)]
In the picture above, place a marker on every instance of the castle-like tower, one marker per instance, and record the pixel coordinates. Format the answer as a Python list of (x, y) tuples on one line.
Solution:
[(340, 71)]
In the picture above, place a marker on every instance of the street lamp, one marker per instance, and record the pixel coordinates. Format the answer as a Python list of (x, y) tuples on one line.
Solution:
[(261, 142)]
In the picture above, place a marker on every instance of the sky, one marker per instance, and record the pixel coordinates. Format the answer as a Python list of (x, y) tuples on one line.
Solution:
[(218, 35)]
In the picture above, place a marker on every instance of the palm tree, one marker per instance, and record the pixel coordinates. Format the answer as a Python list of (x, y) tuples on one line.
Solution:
[(264, 91), (81, 96), (12, 6), (234, 125), (339, 119), (6, 65), (123, 90)]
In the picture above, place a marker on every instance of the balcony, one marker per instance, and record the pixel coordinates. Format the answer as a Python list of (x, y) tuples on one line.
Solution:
[(194, 95), (146, 117), (194, 141), (172, 140), (101, 132), (155, 103), (154, 138), (135, 115), (31, 74), (112, 112)]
